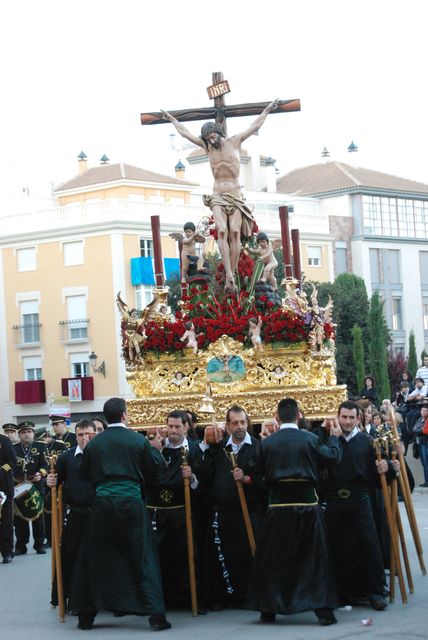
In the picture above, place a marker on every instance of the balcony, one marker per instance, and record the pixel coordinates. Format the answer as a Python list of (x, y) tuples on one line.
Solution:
[(74, 331), (30, 392), (126, 212), (27, 335)]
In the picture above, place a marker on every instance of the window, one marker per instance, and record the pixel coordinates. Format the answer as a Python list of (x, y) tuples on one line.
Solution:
[(79, 365), (73, 253), (27, 259), (143, 295), (341, 258), (32, 368), (76, 317), (399, 349), (425, 313), (376, 266), (314, 256), (146, 248), (30, 326), (397, 320)]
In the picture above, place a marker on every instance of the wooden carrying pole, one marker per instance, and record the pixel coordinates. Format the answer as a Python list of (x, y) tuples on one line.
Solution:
[(190, 545), (244, 507), (56, 550), (392, 527), (407, 497), (394, 504)]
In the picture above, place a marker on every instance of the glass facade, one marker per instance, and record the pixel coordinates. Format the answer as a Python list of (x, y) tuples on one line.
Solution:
[(398, 217)]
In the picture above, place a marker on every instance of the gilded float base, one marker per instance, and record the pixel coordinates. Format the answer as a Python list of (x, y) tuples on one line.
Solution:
[(227, 373)]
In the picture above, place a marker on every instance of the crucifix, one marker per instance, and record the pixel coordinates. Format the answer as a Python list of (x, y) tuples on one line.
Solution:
[(220, 111), (231, 215)]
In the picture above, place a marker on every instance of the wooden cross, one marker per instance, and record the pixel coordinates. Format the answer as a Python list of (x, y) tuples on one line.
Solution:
[(220, 111)]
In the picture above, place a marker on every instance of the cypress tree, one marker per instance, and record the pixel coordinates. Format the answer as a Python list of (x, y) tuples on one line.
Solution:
[(378, 343), (358, 352), (412, 363)]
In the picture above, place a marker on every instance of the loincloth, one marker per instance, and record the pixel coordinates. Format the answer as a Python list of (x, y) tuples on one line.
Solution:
[(229, 203)]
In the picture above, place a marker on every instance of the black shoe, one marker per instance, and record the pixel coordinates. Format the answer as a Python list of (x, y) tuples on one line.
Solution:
[(202, 611), (86, 621), (40, 551), (267, 617), (377, 601), (217, 606), (158, 622), (7, 559), (325, 617), (20, 551), (424, 484)]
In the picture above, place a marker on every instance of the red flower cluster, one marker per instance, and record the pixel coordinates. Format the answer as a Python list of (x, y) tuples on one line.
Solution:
[(280, 326), (245, 268)]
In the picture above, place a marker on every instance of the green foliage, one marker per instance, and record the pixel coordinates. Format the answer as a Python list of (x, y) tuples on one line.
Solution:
[(413, 358), (358, 351), (378, 344), (424, 354), (174, 293)]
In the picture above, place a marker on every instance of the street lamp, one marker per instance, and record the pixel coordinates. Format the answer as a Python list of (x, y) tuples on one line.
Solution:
[(93, 362)]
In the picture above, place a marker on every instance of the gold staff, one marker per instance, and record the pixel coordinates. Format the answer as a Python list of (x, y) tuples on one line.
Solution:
[(244, 507), (189, 530), (56, 550)]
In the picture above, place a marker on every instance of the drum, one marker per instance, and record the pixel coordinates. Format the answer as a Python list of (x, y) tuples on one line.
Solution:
[(28, 502)]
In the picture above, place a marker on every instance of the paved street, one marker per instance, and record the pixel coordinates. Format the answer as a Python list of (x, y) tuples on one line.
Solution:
[(25, 611)]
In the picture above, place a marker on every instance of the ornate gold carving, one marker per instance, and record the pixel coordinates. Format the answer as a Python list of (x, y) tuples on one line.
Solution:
[(269, 376)]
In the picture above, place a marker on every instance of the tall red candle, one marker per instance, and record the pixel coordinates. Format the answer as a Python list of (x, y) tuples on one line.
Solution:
[(157, 250)]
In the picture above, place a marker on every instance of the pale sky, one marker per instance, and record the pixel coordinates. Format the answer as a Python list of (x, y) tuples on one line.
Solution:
[(76, 75)]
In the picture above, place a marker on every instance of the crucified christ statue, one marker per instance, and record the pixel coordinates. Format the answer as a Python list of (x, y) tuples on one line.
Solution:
[(232, 216)]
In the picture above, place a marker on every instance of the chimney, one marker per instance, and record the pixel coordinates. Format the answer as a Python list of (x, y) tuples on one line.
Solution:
[(180, 170), (83, 162), (325, 154), (104, 159), (270, 175)]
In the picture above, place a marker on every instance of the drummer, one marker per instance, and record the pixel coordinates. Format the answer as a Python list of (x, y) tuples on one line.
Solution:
[(7, 462), (31, 467), (11, 431), (59, 425)]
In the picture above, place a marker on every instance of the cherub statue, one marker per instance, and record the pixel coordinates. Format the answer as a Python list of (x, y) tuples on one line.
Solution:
[(132, 330), (190, 336), (265, 254), (188, 247), (254, 330)]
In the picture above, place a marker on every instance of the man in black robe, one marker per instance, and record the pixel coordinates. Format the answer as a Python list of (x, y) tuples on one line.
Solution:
[(291, 571), (354, 542), (117, 567), (165, 502), (78, 498), (228, 553)]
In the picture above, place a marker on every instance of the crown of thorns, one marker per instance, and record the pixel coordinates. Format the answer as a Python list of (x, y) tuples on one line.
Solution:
[(210, 127)]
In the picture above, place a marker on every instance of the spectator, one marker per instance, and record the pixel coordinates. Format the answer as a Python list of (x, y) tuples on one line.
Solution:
[(422, 372), (406, 376), (422, 440), (369, 392), (414, 400)]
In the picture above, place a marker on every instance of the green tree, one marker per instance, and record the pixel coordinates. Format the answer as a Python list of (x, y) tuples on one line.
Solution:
[(378, 344), (350, 307), (174, 293), (358, 351), (412, 363)]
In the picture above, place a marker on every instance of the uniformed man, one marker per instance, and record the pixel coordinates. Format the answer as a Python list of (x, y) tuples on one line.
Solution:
[(59, 425), (7, 463), (165, 501), (31, 467), (11, 431)]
